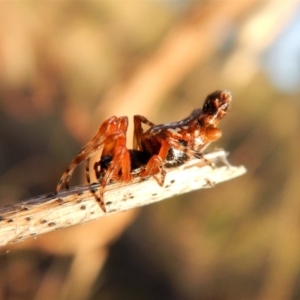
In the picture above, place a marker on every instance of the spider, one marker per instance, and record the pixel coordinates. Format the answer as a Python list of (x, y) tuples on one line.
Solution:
[(161, 146)]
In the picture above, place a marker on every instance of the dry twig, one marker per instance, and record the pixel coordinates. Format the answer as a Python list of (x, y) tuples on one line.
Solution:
[(77, 205)]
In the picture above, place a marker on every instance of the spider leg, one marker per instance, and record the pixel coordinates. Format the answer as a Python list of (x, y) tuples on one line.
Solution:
[(138, 130), (120, 163), (155, 164), (97, 170), (94, 145), (87, 170), (119, 168), (201, 156), (98, 199)]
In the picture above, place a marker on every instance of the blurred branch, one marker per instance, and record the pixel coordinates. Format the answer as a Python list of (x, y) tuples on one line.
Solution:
[(47, 213), (195, 38)]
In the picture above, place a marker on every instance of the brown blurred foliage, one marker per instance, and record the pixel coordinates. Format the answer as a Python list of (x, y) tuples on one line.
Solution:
[(66, 66)]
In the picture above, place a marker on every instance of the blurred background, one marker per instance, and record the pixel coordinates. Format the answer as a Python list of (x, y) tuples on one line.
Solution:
[(66, 66)]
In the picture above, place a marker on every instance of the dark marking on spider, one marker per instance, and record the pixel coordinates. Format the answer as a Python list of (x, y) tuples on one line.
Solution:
[(51, 224), (28, 219), (160, 147), (82, 207), (43, 221), (10, 220)]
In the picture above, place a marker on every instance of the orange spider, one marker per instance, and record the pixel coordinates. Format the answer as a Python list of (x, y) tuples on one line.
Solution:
[(161, 146)]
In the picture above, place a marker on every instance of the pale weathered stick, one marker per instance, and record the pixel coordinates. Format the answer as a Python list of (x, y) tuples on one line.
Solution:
[(77, 205)]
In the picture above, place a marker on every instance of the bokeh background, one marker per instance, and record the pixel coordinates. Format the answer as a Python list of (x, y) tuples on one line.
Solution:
[(66, 66)]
